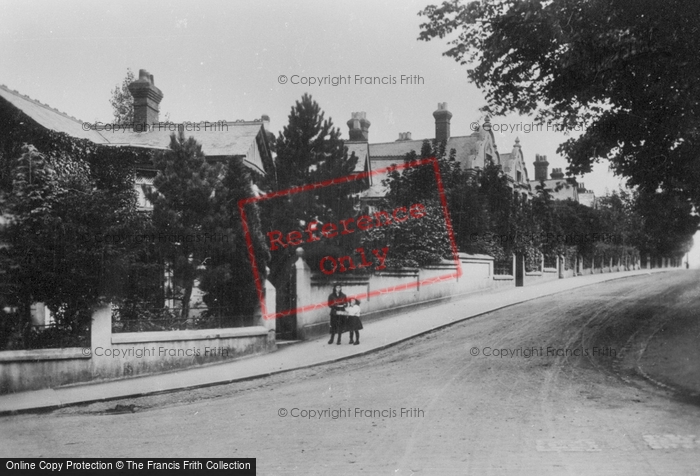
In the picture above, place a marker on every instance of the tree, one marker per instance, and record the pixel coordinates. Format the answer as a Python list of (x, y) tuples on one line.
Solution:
[(425, 241), (228, 280), (184, 208), (310, 150), (122, 101), (623, 71), (58, 241)]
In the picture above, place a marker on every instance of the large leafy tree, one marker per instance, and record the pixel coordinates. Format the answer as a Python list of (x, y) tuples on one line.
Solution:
[(623, 71), (63, 214), (424, 241), (62, 200)]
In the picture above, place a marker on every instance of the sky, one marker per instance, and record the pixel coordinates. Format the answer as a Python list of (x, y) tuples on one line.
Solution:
[(222, 60)]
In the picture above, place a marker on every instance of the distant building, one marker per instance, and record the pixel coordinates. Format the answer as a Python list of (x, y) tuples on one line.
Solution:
[(472, 151), (586, 197), (559, 186)]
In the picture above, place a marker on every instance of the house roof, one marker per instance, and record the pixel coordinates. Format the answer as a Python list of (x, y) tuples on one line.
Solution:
[(230, 138), (217, 139), (465, 147), (560, 189), (49, 117), (361, 150), (377, 189)]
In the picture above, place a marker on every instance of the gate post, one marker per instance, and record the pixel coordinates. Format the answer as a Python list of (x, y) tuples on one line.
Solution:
[(519, 259)]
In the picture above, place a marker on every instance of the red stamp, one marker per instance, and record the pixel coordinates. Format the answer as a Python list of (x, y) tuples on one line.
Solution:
[(373, 258)]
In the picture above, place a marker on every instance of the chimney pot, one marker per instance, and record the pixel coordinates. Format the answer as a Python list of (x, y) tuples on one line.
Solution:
[(359, 127), (442, 122), (147, 98), (541, 165), (557, 174)]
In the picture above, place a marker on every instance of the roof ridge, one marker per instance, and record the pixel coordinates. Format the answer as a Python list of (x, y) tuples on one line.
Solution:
[(419, 140), (39, 103)]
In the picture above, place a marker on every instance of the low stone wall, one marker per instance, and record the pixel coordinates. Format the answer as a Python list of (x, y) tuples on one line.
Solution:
[(402, 289), (113, 356), (477, 274)]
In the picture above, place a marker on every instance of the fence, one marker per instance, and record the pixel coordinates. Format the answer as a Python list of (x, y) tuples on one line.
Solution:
[(110, 355), (154, 319), (550, 261), (18, 335), (503, 267)]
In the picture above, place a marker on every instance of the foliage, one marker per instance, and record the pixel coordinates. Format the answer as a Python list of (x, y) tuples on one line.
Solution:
[(228, 279), (184, 206), (414, 242), (199, 228), (122, 101), (310, 150), (66, 261), (488, 218), (622, 71), (60, 224)]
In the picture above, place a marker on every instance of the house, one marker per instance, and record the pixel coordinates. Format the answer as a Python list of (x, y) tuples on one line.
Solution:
[(472, 151), (559, 187), (249, 140), (585, 196)]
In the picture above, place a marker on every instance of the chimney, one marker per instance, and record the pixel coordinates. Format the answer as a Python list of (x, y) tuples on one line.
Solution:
[(359, 127), (541, 165), (404, 136), (442, 122), (266, 125), (557, 174), (147, 97)]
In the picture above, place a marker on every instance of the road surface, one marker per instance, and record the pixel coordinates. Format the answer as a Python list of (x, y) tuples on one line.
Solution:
[(548, 387)]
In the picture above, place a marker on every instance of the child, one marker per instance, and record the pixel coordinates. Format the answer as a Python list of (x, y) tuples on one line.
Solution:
[(354, 324)]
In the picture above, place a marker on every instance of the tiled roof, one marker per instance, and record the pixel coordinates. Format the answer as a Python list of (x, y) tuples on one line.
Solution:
[(217, 139), (231, 138), (50, 118), (361, 150), (378, 189), (465, 147), (566, 189)]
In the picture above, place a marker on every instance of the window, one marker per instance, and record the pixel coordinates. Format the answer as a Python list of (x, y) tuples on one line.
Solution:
[(143, 185)]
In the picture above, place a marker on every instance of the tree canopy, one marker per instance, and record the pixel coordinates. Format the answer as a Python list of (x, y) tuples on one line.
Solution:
[(624, 71), (310, 150), (122, 101)]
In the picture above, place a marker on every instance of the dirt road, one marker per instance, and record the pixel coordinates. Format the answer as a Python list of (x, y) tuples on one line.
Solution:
[(545, 387)]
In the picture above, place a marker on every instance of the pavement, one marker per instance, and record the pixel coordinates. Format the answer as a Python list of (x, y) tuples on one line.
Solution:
[(375, 336)]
